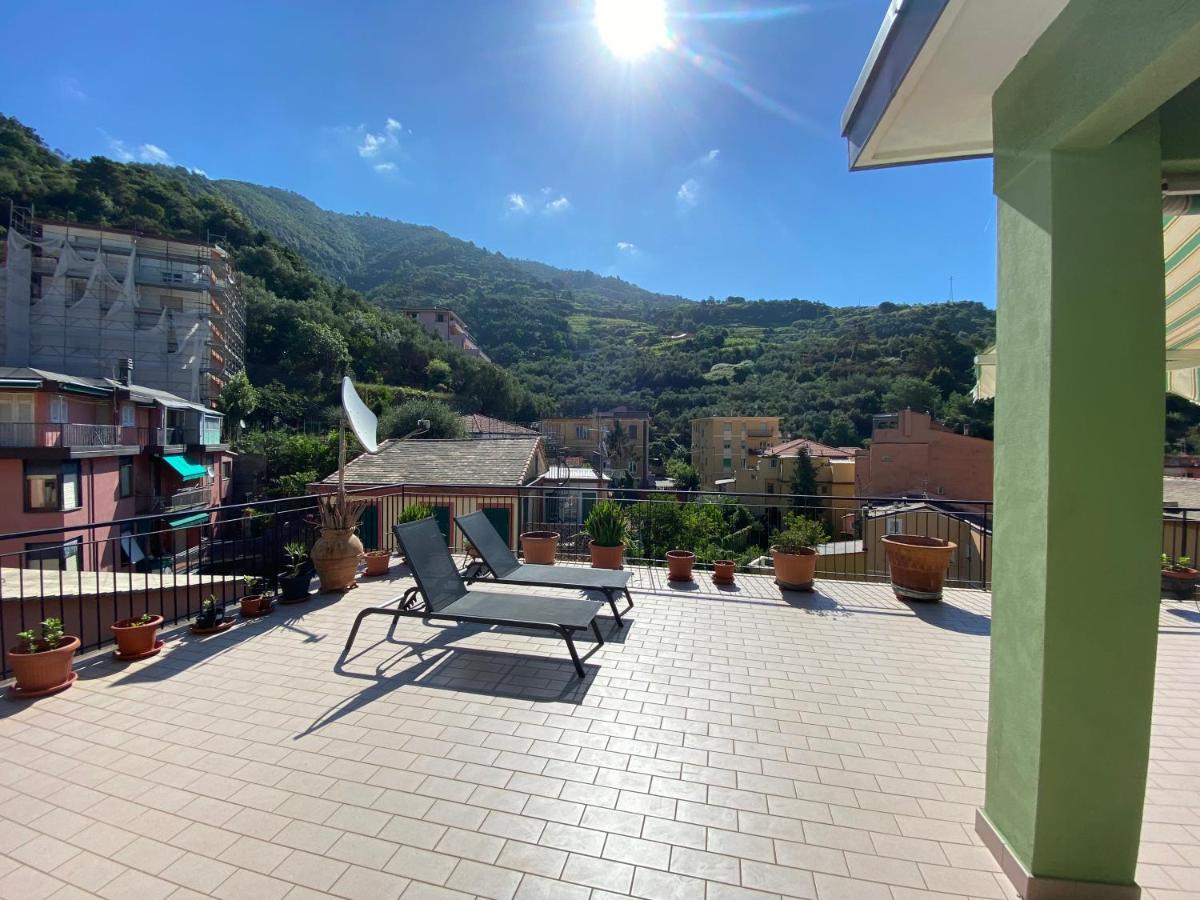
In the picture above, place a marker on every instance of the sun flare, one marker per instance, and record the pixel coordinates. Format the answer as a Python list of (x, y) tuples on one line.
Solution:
[(631, 28)]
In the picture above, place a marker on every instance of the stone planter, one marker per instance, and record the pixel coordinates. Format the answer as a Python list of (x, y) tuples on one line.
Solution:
[(1180, 583), (378, 562), (679, 565), (43, 673), (539, 547), (136, 640), (723, 571), (918, 565), (795, 571), (607, 557), (335, 556)]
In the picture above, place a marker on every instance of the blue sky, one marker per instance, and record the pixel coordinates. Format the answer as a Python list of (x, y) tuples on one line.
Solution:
[(713, 168)]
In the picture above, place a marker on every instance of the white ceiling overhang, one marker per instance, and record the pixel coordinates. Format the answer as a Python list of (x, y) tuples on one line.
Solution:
[(925, 92)]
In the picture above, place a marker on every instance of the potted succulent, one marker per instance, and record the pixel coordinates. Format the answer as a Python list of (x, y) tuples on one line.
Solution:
[(723, 571), (211, 617), (607, 529), (414, 512), (377, 561), (917, 565), (41, 663), (794, 552), (539, 547), (136, 637), (255, 602), (296, 576), (1179, 577), (679, 565)]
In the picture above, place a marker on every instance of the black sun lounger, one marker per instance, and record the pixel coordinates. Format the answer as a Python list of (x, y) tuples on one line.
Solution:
[(506, 569), (445, 595)]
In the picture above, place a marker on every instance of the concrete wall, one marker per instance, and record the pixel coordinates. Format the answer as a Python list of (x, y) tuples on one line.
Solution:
[(919, 456)]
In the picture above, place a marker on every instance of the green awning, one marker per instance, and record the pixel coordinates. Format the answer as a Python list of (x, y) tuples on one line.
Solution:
[(188, 521), (187, 469)]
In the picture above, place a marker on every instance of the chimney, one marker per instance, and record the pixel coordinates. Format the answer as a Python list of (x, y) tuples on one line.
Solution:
[(124, 371)]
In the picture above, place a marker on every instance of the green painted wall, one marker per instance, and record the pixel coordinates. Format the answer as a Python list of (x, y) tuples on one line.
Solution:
[(1079, 425)]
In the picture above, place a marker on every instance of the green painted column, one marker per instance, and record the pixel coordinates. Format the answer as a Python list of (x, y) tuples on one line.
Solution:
[(1079, 425)]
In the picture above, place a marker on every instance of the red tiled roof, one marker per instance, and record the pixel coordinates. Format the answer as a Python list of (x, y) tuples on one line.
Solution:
[(815, 449), (479, 424)]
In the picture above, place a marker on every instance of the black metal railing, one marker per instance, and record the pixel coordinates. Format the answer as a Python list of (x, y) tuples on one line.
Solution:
[(64, 434), (188, 498)]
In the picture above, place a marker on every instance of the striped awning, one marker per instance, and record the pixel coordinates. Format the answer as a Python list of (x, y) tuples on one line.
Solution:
[(1181, 252)]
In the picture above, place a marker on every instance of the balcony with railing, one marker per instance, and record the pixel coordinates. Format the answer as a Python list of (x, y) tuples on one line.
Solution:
[(46, 435), (177, 501), (160, 436)]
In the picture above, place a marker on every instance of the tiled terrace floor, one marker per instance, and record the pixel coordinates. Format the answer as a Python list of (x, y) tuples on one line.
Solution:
[(729, 744)]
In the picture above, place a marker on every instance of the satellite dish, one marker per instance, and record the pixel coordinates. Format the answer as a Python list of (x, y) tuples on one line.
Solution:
[(362, 421)]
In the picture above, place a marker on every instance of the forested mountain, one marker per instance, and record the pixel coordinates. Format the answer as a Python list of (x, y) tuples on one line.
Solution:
[(325, 286)]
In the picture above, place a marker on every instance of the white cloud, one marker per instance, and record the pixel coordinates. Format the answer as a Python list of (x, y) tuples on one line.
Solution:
[(554, 207), (152, 153), (689, 193), (118, 149), (710, 156), (198, 172), (393, 125), (518, 204), (385, 167), (374, 145), (627, 247), (70, 88)]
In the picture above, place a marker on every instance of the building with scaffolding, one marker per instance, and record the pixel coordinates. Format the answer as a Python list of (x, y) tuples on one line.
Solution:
[(80, 299)]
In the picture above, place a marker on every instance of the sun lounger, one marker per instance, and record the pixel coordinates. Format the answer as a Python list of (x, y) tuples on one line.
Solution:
[(446, 596), (505, 568)]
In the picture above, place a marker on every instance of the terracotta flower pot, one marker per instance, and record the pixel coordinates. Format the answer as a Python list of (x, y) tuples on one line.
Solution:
[(136, 640), (607, 557), (38, 674), (918, 565), (335, 556), (539, 547), (1180, 583), (795, 571), (378, 562), (254, 605), (723, 571), (679, 565)]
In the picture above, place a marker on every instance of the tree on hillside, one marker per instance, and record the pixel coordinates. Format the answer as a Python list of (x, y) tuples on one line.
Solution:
[(841, 431), (684, 475), (804, 477), (402, 420), (912, 393), (238, 399), (438, 374)]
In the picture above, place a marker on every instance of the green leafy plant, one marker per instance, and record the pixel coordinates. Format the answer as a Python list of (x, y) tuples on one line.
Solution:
[(414, 513), (1176, 563), (254, 584), (143, 619), (606, 524), (799, 534), (297, 556), (209, 604), (51, 636)]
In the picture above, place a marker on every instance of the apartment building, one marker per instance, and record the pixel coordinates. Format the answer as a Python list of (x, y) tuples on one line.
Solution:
[(595, 437), (913, 455), (75, 450), (724, 445), (448, 325), (76, 298), (775, 473)]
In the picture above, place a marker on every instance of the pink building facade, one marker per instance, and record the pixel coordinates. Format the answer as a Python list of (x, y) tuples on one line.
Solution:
[(447, 325), (78, 450), (912, 455)]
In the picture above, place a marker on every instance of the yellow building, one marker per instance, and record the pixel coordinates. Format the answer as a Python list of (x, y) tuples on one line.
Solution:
[(775, 472), (722, 446), (581, 437)]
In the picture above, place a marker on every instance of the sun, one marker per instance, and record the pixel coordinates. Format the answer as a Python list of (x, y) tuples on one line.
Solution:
[(631, 28)]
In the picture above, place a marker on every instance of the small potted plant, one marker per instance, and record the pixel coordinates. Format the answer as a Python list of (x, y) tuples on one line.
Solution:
[(794, 552), (607, 528), (723, 571), (917, 565), (211, 617), (296, 576), (679, 565), (41, 663), (414, 512), (255, 602), (377, 561), (539, 547), (1179, 577), (137, 637)]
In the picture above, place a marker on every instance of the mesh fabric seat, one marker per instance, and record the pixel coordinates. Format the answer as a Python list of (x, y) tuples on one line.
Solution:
[(446, 595), (506, 569)]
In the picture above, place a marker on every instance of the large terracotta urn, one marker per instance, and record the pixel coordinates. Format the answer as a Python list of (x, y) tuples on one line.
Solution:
[(335, 556), (607, 557), (918, 565)]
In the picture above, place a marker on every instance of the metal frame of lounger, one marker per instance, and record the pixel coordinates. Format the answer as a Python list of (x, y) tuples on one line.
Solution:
[(440, 588), (506, 568)]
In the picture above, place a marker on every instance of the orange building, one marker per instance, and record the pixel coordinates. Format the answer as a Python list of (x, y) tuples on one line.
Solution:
[(911, 454)]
